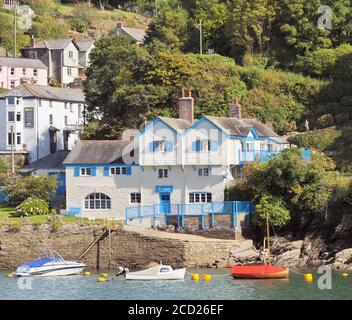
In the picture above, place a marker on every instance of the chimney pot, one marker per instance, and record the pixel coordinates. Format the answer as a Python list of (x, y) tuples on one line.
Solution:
[(186, 107), (235, 109), (119, 24), (32, 42)]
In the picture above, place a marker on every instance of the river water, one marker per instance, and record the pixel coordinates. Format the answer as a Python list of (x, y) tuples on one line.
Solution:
[(220, 287)]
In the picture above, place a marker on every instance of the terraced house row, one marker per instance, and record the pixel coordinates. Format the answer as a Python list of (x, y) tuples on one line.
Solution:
[(171, 161)]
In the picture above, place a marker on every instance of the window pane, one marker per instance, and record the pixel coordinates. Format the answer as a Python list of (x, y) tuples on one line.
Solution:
[(206, 172), (166, 173), (160, 173), (203, 197), (208, 197), (88, 171), (91, 204), (196, 197), (11, 116), (103, 205), (97, 204), (29, 117), (118, 170), (108, 204), (86, 204), (191, 197)]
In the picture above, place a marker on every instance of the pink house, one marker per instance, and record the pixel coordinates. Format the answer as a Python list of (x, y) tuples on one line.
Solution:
[(15, 71)]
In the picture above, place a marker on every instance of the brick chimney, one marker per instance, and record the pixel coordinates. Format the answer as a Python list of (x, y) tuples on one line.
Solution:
[(235, 109), (119, 24), (32, 42), (186, 106)]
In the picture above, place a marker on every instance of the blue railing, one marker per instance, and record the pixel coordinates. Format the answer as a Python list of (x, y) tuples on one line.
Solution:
[(181, 211), (256, 155)]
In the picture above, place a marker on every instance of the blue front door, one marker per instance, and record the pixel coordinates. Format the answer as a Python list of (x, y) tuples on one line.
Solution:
[(165, 206)]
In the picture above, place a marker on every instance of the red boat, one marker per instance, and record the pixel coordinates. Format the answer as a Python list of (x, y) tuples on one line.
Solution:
[(259, 272)]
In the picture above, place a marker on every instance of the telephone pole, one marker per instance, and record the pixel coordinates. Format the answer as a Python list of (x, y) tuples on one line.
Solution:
[(15, 29), (12, 151), (200, 37)]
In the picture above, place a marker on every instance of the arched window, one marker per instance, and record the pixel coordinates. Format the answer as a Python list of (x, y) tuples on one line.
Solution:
[(97, 201)]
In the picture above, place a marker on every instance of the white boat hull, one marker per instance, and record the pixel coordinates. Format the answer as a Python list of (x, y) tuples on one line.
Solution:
[(154, 274), (53, 270)]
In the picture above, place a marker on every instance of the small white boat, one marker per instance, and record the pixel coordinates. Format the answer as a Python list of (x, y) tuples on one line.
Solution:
[(160, 272), (49, 264)]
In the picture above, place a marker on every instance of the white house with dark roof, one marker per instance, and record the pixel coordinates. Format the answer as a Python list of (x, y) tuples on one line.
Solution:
[(137, 35), (14, 71), (171, 161), (66, 59), (40, 120)]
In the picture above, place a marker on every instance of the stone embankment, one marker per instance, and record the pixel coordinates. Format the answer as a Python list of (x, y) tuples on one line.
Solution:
[(132, 248)]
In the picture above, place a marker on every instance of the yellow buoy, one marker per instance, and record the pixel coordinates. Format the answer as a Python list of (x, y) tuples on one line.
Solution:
[(344, 274), (195, 277), (87, 273), (207, 277), (101, 279), (10, 275), (308, 277), (104, 274)]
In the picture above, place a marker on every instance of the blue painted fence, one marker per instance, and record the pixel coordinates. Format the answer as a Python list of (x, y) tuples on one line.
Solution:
[(3, 197), (203, 210), (256, 155)]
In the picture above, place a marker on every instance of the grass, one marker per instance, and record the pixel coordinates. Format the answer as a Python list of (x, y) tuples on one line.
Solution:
[(8, 212)]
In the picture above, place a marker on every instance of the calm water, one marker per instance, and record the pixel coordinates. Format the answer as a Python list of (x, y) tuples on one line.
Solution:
[(221, 287)]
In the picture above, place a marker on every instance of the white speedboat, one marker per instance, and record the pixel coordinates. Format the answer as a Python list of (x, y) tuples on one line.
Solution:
[(49, 264), (160, 272)]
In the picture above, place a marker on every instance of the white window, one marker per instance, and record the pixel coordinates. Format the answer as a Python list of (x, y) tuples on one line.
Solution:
[(97, 201), (86, 172), (12, 84), (69, 71), (35, 72), (203, 172), (79, 110), (18, 138), (23, 71), (163, 173), (51, 119), (70, 54), (135, 197), (160, 146), (18, 116), (203, 145), (199, 197), (114, 171), (11, 116), (9, 138), (12, 71)]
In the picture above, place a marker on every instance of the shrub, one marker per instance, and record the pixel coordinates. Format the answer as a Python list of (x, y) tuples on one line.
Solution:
[(32, 207), (79, 25), (325, 121)]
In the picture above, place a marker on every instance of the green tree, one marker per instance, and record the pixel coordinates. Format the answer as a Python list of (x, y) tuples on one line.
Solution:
[(19, 188)]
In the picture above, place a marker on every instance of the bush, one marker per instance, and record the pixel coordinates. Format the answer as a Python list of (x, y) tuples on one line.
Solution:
[(325, 121), (32, 207), (79, 25), (20, 188)]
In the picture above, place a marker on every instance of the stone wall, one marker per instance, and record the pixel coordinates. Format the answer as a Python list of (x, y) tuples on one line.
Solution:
[(129, 249)]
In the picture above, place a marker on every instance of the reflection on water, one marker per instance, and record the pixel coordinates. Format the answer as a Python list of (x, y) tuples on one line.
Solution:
[(221, 287)]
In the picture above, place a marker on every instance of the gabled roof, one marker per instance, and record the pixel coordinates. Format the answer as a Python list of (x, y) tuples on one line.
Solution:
[(241, 127), (84, 45), (136, 34), (46, 92), (57, 44), (97, 152), (53, 161), (179, 125), (22, 63)]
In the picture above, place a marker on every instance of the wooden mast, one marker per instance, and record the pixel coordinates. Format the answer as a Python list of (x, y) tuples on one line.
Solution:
[(268, 235)]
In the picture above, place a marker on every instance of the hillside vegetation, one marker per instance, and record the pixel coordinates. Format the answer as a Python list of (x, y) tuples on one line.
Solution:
[(55, 20)]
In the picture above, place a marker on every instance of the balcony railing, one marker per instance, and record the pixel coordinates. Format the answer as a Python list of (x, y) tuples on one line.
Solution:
[(256, 155)]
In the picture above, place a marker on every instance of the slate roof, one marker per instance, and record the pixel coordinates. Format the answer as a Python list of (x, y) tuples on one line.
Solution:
[(136, 34), (22, 63), (178, 124), (46, 92), (97, 152), (84, 45), (53, 161), (57, 44)]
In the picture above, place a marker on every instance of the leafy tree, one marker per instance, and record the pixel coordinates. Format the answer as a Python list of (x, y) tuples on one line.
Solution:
[(274, 209), (19, 188)]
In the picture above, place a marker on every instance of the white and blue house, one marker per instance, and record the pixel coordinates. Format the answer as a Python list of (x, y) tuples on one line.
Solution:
[(171, 161)]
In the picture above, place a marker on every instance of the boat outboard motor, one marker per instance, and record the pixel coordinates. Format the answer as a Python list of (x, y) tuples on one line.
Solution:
[(122, 270)]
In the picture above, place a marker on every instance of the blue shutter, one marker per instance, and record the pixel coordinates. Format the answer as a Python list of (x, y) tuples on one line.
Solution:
[(76, 171), (196, 146), (128, 171), (93, 171), (106, 171), (213, 145), (151, 147), (169, 146)]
